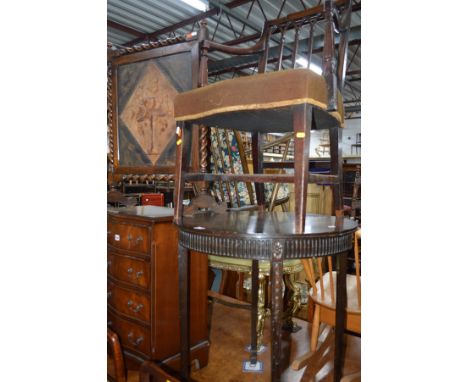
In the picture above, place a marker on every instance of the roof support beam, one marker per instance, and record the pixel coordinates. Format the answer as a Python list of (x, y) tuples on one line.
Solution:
[(255, 36), (238, 62), (123, 28), (183, 23)]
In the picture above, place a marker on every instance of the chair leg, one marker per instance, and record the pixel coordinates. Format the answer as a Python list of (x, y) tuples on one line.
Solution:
[(257, 159), (315, 328), (254, 313), (184, 309), (302, 118), (183, 143), (336, 163)]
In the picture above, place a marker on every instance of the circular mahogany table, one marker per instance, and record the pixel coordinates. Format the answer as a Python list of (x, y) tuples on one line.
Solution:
[(271, 236)]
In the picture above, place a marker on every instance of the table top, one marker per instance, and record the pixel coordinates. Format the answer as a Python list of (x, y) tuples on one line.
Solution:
[(252, 234), (262, 224)]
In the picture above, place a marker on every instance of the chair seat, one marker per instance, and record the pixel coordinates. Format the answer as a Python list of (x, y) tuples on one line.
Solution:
[(351, 289), (260, 103), (241, 265)]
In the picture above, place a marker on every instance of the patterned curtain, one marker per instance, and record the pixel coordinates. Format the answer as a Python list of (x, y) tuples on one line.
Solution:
[(225, 158)]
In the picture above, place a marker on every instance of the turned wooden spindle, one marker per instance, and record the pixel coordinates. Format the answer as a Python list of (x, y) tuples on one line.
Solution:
[(203, 81)]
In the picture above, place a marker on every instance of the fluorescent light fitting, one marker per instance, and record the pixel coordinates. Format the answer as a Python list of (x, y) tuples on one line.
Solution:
[(314, 67), (197, 4)]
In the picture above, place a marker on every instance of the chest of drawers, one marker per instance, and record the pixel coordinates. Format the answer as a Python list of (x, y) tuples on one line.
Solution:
[(142, 287)]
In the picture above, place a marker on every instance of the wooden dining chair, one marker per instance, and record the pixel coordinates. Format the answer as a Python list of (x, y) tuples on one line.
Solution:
[(274, 100), (116, 372), (281, 98), (323, 296), (115, 362)]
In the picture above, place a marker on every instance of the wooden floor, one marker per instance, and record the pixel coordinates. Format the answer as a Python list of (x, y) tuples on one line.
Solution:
[(229, 337)]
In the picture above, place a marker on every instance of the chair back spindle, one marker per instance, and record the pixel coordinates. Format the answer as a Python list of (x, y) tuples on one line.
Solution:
[(331, 280)]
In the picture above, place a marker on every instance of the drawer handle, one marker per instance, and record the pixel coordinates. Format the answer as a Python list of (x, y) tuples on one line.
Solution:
[(137, 342), (109, 294), (134, 309), (137, 275), (138, 239), (129, 237), (137, 308)]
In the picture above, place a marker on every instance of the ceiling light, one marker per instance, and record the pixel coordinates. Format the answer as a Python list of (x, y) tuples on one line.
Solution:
[(314, 67), (197, 4)]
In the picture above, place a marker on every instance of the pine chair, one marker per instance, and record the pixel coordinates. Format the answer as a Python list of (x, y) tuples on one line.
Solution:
[(323, 296)]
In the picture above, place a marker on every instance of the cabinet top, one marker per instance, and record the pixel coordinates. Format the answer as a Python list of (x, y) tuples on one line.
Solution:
[(149, 212)]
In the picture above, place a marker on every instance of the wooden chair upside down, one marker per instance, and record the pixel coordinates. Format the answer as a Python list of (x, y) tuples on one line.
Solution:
[(296, 100)]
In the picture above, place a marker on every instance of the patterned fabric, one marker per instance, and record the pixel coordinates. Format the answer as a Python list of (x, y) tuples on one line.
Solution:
[(221, 138)]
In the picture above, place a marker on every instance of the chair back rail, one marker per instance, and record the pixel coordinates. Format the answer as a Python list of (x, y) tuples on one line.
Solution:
[(326, 16), (322, 17)]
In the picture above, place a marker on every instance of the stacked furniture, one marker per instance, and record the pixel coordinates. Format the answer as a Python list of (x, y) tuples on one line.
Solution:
[(296, 100), (229, 156)]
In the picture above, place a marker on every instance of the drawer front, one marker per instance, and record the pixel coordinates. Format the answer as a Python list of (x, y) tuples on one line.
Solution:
[(130, 303), (132, 336), (130, 237), (129, 270)]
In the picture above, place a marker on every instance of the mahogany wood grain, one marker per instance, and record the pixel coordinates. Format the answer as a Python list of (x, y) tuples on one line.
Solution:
[(133, 337), (130, 303), (131, 237), (143, 303), (129, 270)]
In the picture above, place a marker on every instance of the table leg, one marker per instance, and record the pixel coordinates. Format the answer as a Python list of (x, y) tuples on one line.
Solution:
[(341, 303), (276, 274), (184, 305), (254, 313)]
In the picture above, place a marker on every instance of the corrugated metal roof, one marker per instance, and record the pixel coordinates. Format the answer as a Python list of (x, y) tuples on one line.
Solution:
[(148, 16)]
